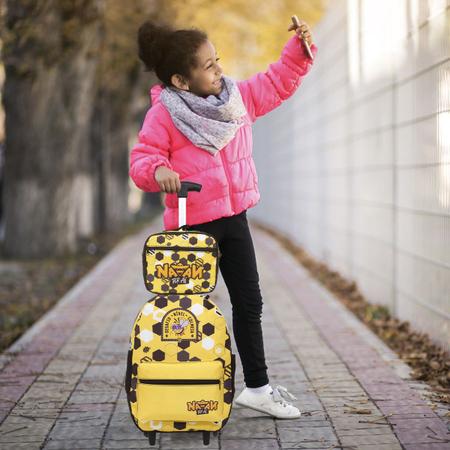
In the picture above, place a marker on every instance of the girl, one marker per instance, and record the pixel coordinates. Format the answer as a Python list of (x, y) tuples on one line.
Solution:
[(199, 129)]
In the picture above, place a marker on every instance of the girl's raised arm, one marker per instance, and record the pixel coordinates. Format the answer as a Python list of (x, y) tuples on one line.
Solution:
[(151, 151), (264, 91)]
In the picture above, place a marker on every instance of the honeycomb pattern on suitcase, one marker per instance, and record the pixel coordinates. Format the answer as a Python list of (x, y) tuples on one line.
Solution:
[(191, 269), (148, 343)]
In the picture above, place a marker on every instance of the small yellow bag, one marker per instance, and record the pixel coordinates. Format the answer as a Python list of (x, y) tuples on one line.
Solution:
[(180, 262)]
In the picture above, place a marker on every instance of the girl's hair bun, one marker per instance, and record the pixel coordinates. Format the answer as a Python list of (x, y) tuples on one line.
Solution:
[(152, 39), (167, 51)]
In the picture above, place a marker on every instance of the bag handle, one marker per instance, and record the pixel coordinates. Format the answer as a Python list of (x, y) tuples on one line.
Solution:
[(186, 187)]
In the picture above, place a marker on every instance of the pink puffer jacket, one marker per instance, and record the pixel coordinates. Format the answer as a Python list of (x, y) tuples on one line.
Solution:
[(229, 180)]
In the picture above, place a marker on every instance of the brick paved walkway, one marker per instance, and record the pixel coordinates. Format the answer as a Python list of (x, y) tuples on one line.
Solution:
[(61, 383)]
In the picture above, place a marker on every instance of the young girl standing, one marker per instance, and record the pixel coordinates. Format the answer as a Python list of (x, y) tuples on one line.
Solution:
[(199, 129)]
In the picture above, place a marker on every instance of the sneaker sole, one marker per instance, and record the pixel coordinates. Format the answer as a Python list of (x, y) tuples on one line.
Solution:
[(265, 412)]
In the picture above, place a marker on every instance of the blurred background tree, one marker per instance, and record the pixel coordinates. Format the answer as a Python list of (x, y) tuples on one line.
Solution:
[(74, 97)]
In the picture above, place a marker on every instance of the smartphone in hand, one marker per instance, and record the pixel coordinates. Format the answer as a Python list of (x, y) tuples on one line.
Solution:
[(296, 23)]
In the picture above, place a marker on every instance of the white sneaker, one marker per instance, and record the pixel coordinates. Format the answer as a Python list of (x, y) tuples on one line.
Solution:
[(271, 402)]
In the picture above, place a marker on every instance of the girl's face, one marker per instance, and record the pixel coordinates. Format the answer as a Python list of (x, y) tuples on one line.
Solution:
[(206, 77)]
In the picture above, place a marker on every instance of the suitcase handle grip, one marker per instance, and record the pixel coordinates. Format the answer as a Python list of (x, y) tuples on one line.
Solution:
[(187, 186)]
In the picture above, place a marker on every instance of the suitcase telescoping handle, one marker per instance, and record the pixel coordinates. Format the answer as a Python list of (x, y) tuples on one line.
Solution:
[(186, 186)]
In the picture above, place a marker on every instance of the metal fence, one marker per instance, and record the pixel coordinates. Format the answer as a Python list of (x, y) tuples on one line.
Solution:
[(355, 166)]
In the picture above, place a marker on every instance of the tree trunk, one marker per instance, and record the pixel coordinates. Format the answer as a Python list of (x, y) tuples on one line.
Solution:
[(49, 84), (109, 148)]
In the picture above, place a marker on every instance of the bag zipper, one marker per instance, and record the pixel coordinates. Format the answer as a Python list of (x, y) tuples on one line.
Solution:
[(176, 247), (178, 381)]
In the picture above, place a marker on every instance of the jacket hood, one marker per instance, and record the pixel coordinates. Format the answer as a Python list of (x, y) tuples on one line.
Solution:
[(155, 93)]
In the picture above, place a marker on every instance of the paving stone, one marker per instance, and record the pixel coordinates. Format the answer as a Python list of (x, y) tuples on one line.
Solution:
[(127, 430), (355, 423), (72, 432), (88, 444), (84, 418), (407, 411), (85, 396), (250, 428), (379, 447), (126, 444), (186, 440), (23, 430), (302, 422), (249, 444), (371, 430), (306, 435), (417, 431), (309, 446), (20, 446), (430, 446), (370, 439)]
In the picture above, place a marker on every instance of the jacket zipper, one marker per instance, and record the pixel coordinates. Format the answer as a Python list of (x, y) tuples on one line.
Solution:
[(228, 179), (175, 248), (178, 381)]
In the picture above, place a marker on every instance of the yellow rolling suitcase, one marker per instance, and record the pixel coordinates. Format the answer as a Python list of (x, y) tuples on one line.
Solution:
[(180, 365)]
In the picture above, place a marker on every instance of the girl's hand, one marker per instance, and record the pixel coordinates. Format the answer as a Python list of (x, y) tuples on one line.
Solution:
[(168, 180), (302, 31)]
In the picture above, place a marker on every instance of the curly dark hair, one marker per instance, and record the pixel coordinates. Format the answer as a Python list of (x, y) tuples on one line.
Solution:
[(166, 51)]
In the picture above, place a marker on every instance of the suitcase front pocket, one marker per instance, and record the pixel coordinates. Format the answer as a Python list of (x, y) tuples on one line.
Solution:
[(184, 391), (180, 269)]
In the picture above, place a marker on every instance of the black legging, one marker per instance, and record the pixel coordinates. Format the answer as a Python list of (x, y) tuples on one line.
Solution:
[(238, 268)]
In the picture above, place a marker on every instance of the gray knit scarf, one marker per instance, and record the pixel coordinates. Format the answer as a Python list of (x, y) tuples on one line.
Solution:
[(211, 122)]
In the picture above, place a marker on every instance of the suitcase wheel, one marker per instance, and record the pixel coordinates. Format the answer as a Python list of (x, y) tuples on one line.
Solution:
[(151, 437), (206, 437)]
